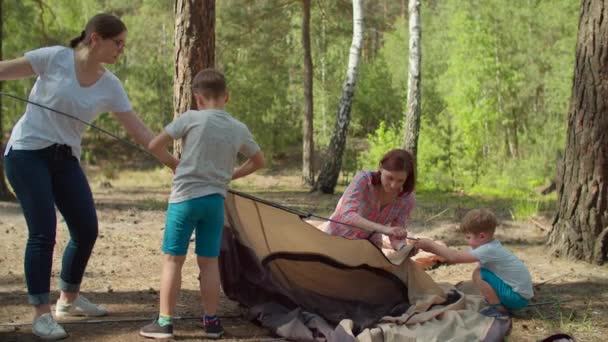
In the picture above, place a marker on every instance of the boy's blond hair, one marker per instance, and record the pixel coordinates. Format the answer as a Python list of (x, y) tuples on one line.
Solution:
[(209, 83), (479, 221)]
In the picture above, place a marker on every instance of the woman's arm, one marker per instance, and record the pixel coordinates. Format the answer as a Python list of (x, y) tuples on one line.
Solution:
[(16, 69), (374, 227), (143, 136)]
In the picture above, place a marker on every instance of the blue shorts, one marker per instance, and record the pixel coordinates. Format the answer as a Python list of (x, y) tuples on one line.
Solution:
[(508, 298), (206, 214)]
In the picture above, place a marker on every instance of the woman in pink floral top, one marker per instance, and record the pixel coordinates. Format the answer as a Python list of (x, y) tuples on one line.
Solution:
[(377, 202)]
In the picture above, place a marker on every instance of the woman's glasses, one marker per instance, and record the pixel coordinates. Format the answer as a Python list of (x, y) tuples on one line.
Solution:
[(119, 43)]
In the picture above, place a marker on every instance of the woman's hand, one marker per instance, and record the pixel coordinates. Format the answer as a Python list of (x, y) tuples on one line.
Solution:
[(398, 233)]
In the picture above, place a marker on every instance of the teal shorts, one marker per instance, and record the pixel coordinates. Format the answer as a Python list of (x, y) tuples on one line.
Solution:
[(510, 299), (206, 215)]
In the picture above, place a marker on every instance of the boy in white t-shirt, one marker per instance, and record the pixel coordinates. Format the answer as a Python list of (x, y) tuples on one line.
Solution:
[(212, 140), (501, 277)]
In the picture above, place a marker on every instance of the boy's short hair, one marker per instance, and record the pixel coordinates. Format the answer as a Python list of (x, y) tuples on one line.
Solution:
[(479, 221), (209, 83)]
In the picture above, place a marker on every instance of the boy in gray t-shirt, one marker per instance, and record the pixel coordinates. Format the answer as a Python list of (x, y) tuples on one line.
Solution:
[(212, 139), (501, 277)]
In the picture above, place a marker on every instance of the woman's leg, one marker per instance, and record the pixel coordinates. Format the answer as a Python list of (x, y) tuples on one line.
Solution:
[(29, 175), (75, 202)]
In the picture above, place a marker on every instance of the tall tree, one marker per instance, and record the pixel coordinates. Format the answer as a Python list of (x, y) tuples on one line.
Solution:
[(5, 194), (308, 147), (194, 50), (412, 118), (330, 171), (580, 228)]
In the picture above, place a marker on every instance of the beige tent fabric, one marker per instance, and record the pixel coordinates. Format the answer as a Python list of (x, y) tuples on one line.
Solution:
[(301, 257), (459, 321), (271, 230)]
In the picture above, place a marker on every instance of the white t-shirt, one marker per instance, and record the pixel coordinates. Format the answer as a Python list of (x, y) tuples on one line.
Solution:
[(57, 87), (212, 141), (506, 266)]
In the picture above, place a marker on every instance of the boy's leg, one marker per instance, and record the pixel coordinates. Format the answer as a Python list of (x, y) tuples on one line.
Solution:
[(208, 240), (178, 229), (507, 297), (209, 284), (170, 283), (487, 290)]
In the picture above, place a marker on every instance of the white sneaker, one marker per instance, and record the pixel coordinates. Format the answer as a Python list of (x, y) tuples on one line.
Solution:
[(80, 307), (47, 328)]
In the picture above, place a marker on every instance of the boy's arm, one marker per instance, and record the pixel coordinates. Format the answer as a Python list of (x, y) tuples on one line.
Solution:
[(158, 147), (452, 256), (251, 165)]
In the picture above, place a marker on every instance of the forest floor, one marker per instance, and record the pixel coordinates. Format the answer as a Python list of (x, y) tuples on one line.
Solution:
[(124, 271)]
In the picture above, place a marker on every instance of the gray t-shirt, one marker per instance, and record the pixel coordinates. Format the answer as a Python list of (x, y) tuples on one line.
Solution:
[(505, 265), (212, 139)]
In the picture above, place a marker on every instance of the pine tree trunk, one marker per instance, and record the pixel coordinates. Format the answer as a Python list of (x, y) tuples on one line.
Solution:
[(5, 193), (580, 228), (308, 172), (194, 50), (412, 119), (328, 177)]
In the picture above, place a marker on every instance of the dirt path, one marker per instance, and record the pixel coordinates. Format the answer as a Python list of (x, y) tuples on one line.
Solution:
[(124, 274)]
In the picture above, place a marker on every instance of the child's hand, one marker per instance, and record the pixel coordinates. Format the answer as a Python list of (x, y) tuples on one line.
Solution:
[(423, 243), (173, 164)]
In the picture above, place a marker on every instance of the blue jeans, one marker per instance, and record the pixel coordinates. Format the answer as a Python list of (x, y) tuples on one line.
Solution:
[(42, 179)]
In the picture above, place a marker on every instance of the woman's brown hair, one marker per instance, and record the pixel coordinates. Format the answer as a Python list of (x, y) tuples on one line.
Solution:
[(398, 160), (104, 24)]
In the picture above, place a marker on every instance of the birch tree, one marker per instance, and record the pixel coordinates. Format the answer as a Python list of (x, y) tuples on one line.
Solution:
[(194, 50), (328, 177), (580, 228), (412, 117), (308, 172)]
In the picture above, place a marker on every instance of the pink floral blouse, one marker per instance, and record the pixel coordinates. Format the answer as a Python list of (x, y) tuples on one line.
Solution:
[(359, 200)]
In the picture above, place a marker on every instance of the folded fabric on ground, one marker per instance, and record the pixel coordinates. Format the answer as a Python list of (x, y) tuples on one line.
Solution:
[(306, 285)]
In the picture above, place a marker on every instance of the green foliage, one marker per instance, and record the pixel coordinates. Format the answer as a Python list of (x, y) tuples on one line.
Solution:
[(496, 78), (379, 100), (384, 139)]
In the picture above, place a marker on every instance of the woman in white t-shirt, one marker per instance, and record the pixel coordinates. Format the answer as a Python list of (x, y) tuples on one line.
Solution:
[(42, 159)]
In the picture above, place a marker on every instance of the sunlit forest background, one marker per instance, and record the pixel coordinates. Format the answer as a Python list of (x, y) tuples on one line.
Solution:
[(496, 78)]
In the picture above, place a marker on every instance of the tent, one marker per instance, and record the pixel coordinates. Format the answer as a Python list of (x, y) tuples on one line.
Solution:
[(309, 286)]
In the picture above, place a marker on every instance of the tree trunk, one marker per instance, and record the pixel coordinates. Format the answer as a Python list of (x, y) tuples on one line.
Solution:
[(5, 193), (330, 171), (194, 51), (308, 147), (412, 118), (580, 228)]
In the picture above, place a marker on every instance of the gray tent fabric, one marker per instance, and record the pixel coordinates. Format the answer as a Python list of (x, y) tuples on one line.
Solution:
[(306, 285)]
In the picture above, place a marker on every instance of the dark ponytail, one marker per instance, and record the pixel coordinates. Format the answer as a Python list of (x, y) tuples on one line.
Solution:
[(104, 24), (74, 42)]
